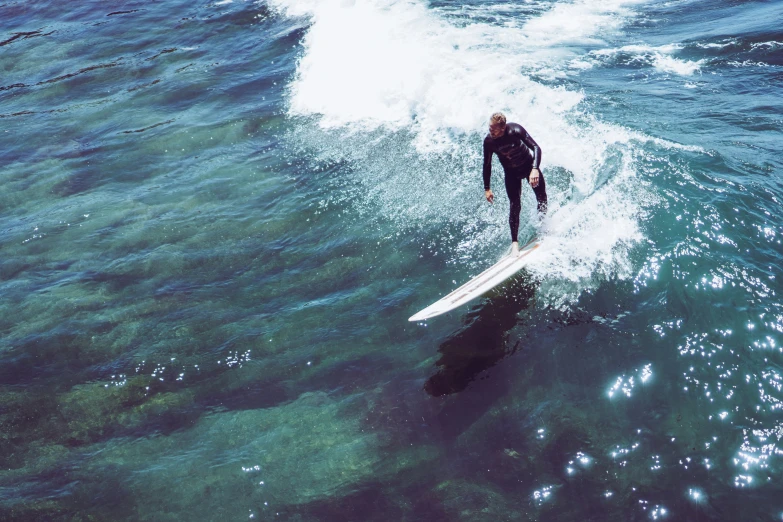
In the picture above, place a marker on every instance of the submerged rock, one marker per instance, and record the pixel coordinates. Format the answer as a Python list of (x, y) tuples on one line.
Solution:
[(312, 448)]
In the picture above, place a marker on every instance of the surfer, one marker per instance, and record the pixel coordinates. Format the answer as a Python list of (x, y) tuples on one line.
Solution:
[(520, 157)]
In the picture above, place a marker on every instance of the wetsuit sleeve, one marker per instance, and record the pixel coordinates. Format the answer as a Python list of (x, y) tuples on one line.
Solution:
[(533, 146), (487, 171)]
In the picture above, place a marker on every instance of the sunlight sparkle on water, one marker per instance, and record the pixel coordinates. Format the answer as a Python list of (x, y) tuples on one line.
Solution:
[(625, 384), (542, 495), (696, 495)]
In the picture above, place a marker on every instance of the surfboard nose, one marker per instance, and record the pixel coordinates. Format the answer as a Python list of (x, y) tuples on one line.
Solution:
[(487, 280)]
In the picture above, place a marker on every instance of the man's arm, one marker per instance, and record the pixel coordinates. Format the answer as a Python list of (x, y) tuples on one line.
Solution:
[(533, 146), (487, 172)]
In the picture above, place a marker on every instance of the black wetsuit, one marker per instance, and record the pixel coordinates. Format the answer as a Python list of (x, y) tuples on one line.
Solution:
[(519, 154)]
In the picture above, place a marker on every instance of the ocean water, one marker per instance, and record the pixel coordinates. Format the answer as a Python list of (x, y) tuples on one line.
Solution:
[(216, 218)]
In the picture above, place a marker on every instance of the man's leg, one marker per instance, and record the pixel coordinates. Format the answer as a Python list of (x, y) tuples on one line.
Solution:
[(514, 192), (540, 192)]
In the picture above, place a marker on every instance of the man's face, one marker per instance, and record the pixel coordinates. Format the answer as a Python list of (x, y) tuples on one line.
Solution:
[(497, 130)]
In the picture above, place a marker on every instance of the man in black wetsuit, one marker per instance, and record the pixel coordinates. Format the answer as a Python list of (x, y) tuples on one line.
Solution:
[(520, 156)]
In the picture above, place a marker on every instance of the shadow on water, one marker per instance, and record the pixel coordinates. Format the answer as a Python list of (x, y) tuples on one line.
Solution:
[(483, 340)]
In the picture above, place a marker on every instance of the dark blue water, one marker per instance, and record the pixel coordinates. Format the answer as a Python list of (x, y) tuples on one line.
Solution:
[(216, 219)]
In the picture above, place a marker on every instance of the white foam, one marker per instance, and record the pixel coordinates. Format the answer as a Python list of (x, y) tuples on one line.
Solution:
[(371, 63), (414, 90), (584, 245), (396, 65), (767, 45), (638, 49), (579, 22), (717, 45), (676, 66), (580, 64), (659, 57)]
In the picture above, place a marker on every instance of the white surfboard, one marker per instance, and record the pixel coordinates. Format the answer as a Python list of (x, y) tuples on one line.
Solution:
[(482, 283)]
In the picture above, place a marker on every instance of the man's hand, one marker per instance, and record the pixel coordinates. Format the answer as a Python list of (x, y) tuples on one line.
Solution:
[(534, 175), (489, 195)]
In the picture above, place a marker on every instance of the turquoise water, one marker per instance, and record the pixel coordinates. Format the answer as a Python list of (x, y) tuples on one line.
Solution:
[(217, 218)]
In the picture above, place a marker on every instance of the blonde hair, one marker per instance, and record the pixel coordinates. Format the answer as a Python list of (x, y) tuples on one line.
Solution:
[(498, 120)]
